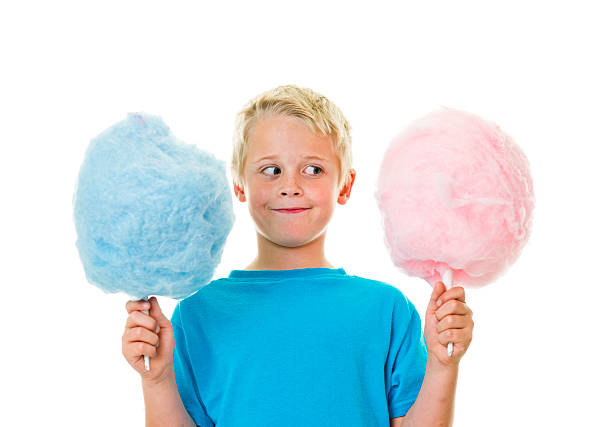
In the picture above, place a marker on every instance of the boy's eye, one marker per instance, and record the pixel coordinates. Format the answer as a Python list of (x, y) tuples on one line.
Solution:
[(272, 167), (317, 168)]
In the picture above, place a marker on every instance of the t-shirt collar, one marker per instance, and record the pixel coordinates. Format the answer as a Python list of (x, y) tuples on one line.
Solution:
[(286, 274)]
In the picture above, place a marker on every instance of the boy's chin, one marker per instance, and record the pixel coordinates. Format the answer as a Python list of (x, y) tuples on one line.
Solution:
[(294, 241), (291, 243)]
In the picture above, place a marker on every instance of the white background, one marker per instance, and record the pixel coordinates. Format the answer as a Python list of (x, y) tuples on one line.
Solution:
[(541, 348)]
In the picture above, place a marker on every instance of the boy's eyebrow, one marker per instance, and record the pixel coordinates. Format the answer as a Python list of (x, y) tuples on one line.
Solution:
[(312, 156)]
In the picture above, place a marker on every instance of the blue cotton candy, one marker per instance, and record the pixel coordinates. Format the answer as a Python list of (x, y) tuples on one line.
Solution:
[(151, 213)]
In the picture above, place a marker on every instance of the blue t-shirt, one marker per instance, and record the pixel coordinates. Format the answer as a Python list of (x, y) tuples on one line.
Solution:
[(304, 347)]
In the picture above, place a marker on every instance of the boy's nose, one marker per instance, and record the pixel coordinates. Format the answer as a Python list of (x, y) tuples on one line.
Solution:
[(290, 187), (295, 193)]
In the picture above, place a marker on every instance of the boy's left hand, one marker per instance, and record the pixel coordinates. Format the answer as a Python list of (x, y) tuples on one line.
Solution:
[(449, 322)]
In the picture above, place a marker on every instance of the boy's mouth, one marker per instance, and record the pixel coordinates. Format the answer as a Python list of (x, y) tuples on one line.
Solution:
[(291, 210)]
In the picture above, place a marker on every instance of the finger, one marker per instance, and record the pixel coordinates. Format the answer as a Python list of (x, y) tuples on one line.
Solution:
[(137, 305), (453, 322), (438, 290), (157, 313), (142, 349), (456, 292), (452, 335), (452, 307), (136, 318), (140, 334)]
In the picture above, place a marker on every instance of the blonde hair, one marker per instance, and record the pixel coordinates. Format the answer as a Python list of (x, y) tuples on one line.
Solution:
[(317, 112)]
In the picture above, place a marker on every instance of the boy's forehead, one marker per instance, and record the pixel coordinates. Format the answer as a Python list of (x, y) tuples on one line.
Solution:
[(257, 156), (276, 138)]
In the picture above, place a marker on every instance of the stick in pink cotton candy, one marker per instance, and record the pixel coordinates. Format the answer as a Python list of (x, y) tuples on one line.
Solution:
[(456, 199)]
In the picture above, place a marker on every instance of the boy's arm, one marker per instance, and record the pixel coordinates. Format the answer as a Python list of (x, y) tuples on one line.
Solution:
[(163, 404), (434, 405), (448, 319)]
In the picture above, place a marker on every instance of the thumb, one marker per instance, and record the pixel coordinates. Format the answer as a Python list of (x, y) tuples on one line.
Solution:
[(156, 313), (438, 290)]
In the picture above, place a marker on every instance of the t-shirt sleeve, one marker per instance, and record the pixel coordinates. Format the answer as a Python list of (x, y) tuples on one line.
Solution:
[(183, 372), (407, 358)]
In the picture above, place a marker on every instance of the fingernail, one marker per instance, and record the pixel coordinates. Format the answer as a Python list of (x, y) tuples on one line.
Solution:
[(439, 303)]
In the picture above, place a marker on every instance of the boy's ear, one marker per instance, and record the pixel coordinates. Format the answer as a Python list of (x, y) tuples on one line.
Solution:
[(239, 192), (345, 193)]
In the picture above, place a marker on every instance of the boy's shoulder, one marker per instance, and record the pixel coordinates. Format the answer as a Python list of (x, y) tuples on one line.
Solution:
[(372, 282), (380, 286), (204, 289)]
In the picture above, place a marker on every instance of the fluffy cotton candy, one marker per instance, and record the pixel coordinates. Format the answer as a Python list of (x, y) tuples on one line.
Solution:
[(151, 213), (455, 192)]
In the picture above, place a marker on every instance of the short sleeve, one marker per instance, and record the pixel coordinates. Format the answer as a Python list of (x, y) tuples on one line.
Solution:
[(407, 358), (183, 371)]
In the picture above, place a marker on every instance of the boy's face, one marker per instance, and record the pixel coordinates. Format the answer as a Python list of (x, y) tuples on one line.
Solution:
[(287, 178)]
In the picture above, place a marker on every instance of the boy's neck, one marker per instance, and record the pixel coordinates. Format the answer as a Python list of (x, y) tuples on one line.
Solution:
[(271, 256)]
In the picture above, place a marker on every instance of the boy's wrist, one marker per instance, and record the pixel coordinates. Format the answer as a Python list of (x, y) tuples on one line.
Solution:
[(439, 368), (164, 380)]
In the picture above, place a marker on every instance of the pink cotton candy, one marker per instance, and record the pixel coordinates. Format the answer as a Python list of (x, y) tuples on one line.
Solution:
[(455, 192)]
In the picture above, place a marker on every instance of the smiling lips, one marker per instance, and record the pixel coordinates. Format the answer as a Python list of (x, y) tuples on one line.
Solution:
[(291, 210)]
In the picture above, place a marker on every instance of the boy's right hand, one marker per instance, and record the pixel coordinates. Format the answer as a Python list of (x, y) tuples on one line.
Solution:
[(149, 335)]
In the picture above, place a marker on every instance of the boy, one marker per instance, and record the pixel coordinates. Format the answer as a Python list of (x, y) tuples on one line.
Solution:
[(291, 340)]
